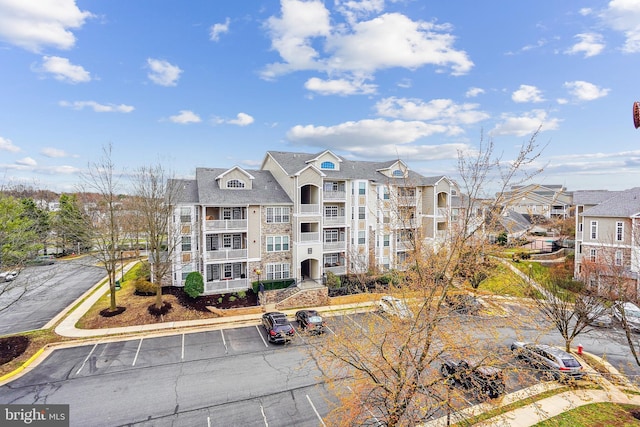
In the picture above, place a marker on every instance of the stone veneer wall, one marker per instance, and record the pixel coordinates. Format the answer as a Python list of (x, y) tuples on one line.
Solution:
[(306, 298)]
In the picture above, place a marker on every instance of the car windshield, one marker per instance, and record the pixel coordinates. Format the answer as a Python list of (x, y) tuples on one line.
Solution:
[(632, 311), (315, 319), (571, 363)]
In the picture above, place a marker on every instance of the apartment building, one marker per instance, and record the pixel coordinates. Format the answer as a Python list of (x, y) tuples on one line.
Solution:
[(549, 201), (608, 237), (303, 215)]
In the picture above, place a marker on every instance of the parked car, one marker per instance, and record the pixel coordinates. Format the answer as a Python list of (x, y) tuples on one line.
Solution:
[(278, 328), (311, 321), (601, 316), (631, 314), (7, 276), (557, 362), (484, 380), (43, 260), (463, 303), (395, 307)]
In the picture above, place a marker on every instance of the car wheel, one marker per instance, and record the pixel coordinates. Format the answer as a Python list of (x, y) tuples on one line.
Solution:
[(445, 371)]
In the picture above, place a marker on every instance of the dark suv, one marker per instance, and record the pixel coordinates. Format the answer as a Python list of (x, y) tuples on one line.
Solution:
[(279, 330), (463, 303), (559, 363), (484, 380)]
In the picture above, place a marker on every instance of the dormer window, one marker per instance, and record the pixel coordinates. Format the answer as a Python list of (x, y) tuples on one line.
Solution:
[(327, 165), (235, 183), (398, 173)]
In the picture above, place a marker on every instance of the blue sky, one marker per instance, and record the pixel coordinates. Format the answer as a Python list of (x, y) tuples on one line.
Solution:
[(218, 83)]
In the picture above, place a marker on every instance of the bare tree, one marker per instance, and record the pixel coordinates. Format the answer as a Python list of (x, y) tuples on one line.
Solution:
[(386, 372), (103, 178), (155, 196)]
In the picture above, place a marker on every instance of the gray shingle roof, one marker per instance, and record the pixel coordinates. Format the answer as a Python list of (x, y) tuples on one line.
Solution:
[(623, 204), (186, 190), (293, 163), (592, 197)]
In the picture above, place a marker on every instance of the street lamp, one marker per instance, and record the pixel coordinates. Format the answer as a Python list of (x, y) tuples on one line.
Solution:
[(530, 272)]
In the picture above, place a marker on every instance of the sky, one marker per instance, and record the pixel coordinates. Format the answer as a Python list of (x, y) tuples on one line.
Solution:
[(220, 83)]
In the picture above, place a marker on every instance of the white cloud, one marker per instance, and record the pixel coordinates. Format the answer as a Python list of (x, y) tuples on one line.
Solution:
[(525, 124), (242, 119), (53, 152), (34, 25), (442, 111), (163, 73), (358, 48), (217, 29), (527, 93), (64, 70), (339, 87), (358, 9), (185, 117), (7, 145), (624, 16), (473, 92), (589, 43), (27, 161), (585, 11), (98, 108), (585, 91)]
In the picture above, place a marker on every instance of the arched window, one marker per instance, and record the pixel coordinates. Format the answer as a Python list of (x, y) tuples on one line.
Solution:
[(398, 172), (327, 165), (235, 183)]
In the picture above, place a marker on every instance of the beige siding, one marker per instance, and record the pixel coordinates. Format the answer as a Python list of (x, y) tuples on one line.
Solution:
[(254, 215)]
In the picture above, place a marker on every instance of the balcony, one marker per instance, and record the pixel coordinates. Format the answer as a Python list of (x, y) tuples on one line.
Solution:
[(310, 237), (310, 209), (334, 195), (338, 270), (334, 220), (405, 245), (220, 286), (406, 200), (225, 224), (334, 246), (224, 254)]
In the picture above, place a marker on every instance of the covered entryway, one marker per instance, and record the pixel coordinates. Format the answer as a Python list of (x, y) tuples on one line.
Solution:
[(310, 270)]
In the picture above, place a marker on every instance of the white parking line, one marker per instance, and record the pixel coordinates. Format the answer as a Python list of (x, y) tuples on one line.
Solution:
[(264, 417), (86, 358), (182, 356), (137, 352), (367, 408), (224, 342), (261, 337), (315, 410), (208, 421)]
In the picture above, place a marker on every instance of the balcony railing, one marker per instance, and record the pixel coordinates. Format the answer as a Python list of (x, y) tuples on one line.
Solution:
[(225, 224), (334, 220), (404, 245), (339, 270), (218, 286), (407, 200), (310, 209), (334, 246), (310, 237), (223, 254), (334, 195)]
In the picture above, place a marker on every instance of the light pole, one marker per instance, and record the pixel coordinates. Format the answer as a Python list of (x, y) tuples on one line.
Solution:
[(530, 272)]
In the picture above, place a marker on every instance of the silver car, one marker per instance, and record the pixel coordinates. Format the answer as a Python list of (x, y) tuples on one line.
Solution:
[(557, 362), (631, 314), (395, 307)]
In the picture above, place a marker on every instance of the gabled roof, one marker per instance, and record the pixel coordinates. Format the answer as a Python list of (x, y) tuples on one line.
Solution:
[(624, 204), (186, 190), (592, 197), (206, 191), (238, 168)]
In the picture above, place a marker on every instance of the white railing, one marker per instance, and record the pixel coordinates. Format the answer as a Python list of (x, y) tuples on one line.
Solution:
[(310, 237), (334, 195), (407, 200), (334, 246), (225, 224), (217, 286), (341, 270), (225, 254), (310, 209), (334, 220), (405, 245)]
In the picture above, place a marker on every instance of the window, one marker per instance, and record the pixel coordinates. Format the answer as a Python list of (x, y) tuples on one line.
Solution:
[(592, 255), (235, 183), (398, 173), (331, 236), (278, 215), (362, 188), (385, 240), (361, 212), (327, 165), (186, 243), (331, 260), (212, 242), (361, 237), (619, 231), (277, 271), (385, 193), (330, 211), (594, 230), (618, 258), (185, 214), (277, 243)]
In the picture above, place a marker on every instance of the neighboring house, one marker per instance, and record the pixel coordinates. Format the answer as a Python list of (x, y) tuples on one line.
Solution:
[(608, 237), (549, 201), (303, 215)]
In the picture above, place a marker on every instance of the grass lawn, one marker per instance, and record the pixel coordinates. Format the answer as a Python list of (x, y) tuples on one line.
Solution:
[(596, 415), (504, 282)]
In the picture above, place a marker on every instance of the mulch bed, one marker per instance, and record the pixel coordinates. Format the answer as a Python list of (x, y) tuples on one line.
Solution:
[(12, 347), (222, 301)]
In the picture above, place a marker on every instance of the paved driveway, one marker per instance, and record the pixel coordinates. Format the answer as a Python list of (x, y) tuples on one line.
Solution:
[(50, 289)]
